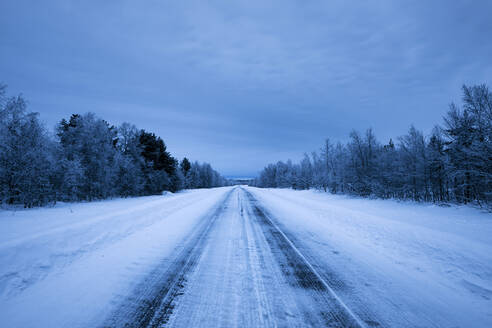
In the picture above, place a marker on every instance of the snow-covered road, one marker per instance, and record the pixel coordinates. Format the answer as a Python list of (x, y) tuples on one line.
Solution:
[(246, 257), (237, 270)]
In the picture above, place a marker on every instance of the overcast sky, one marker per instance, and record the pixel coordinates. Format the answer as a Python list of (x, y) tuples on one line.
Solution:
[(240, 84)]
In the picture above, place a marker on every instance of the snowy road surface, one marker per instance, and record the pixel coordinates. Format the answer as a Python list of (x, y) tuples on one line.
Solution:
[(246, 257)]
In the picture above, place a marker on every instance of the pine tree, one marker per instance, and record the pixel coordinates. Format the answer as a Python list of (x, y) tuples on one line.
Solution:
[(185, 166)]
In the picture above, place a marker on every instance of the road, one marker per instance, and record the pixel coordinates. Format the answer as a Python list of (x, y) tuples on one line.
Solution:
[(239, 267)]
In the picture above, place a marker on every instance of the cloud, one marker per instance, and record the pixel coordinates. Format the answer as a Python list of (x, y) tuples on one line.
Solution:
[(221, 80)]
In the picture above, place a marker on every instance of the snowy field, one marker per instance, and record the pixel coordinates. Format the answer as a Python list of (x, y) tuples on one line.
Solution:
[(406, 264)]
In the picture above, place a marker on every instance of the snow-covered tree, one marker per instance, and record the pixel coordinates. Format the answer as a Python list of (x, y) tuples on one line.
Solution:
[(453, 164), (26, 155)]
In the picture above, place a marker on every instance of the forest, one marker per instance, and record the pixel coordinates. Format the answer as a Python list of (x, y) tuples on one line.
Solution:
[(452, 164), (85, 159)]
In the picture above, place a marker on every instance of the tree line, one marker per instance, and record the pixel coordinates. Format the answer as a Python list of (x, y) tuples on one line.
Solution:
[(86, 158), (452, 164)]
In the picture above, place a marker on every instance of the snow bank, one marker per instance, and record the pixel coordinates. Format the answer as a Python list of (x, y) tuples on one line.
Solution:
[(431, 266), (64, 266)]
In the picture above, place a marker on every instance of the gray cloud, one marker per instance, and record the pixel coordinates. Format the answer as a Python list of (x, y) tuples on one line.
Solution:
[(244, 83)]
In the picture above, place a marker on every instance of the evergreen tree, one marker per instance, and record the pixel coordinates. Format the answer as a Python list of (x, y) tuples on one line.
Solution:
[(159, 166), (185, 166)]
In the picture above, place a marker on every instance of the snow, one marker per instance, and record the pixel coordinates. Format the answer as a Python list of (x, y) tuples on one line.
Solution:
[(67, 265), (412, 265), (430, 265)]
